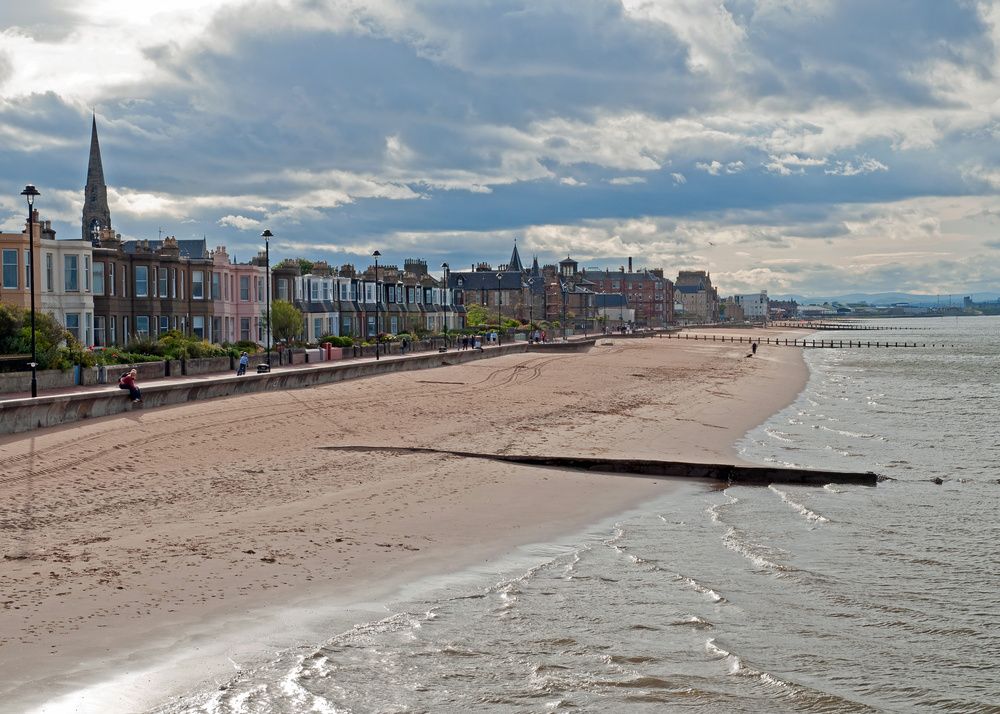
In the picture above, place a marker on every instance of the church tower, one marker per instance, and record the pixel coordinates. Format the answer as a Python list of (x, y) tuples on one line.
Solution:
[(96, 214)]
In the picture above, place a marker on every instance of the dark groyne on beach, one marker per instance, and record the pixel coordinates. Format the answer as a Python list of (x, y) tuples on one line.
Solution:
[(728, 473)]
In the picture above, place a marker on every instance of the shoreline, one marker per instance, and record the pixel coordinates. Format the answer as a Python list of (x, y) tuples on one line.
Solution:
[(152, 566)]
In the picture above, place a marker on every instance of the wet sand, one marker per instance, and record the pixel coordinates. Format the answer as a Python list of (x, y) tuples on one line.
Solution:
[(162, 549)]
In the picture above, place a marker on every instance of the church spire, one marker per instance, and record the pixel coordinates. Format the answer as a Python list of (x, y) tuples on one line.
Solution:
[(515, 261), (96, 214)]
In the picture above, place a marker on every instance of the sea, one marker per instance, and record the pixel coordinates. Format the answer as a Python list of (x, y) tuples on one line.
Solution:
[(744, 599)]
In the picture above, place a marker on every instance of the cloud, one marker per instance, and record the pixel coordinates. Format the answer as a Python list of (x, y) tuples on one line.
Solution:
[(240, 222), (446, 127), (863, 165)]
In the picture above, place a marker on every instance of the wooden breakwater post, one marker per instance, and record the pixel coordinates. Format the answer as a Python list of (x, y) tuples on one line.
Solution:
[(650, 468), (785, 342)]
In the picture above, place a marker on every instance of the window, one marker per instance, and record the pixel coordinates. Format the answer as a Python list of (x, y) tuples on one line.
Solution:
[(141, 325), (27, 269), (345, 293), (245, 288), (180, 293), (283, 289), (86, 273), (216, 286), (327, 290), (317, 327), (198, 326), (216, 329), (173, 284), (124, 281), (141, 288), (163, 282), (71, 268), (49, 270), (164, 323), (10, 269), (371, 325), (198, 286), (125, 332), (73, 324), (314, 290), (88, 339), (98, 278), (111, 279), (245, 329), (346, 326), (260, 290), (99, 331), (113, 335)]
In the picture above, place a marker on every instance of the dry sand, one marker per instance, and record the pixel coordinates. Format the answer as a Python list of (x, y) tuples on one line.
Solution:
[(158, 550)]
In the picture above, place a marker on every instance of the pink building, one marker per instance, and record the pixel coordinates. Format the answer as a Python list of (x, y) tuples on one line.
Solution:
[(238, 299)]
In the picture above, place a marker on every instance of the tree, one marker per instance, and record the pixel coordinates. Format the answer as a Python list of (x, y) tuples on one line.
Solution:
[(286, 321), (476, 315)]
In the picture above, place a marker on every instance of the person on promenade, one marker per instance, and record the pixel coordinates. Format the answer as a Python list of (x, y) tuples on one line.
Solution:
[(403, 345), (127, 381), (477, 345), (465, 342), (244, 361)]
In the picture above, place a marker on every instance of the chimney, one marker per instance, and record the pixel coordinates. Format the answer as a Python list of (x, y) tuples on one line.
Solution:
[(630, 264)]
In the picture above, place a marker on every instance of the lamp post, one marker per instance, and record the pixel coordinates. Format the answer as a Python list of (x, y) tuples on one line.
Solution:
[(563, 289), (499, 299), (621, 305), (531, 302), (30, 192), (378, 338), (444, 303), (267, 235)]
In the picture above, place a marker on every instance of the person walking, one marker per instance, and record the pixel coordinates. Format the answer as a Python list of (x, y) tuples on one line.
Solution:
[(244, 361), (127, 381), (753, 348)]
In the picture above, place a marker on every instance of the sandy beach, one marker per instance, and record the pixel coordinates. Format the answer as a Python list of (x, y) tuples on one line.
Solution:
[(149, 553)]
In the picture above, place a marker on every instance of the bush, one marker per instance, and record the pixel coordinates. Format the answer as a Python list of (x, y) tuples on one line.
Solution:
[(337, 341)]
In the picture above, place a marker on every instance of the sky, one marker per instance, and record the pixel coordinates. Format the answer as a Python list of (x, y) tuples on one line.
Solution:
[(793, 146)]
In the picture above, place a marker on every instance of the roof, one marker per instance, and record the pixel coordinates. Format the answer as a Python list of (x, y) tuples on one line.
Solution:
[(610, 300), (195, 249), (486, 280)]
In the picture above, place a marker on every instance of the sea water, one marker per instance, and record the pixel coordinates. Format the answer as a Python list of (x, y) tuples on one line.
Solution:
[(781, 599)]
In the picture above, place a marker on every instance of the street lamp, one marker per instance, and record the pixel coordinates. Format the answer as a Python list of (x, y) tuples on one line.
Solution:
[(267, 235), (499, 299), (531, 301), (563, 287), (378, 338), (29, 193), (444, 303), (621, 305)]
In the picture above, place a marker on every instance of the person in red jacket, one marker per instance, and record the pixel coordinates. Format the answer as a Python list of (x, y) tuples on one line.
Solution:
[(127, 381)]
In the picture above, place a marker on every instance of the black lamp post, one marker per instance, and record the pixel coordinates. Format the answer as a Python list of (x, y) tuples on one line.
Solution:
[(29, 193), (621, 305), (531, 302), (563, 288), (444, 302), (499, 299), (378, 337), (267, 235)]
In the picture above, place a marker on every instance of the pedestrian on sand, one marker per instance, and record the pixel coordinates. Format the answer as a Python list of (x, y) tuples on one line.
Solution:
[(244, 361), (753, 348), (127, 381)]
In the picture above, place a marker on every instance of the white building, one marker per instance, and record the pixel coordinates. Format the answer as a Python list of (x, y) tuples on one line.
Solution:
[(755, 306), (65, 271)]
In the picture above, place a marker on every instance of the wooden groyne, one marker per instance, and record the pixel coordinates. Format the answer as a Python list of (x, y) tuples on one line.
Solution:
[(728, 473), (785, 342), (857, 326)]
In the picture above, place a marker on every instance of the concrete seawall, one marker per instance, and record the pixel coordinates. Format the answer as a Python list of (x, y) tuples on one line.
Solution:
[(19, 415)]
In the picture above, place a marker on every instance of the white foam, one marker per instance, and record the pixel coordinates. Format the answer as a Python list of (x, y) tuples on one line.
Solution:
[(809, 515)]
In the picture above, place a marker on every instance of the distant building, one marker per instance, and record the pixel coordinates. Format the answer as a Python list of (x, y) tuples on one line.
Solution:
[(756, 306), (699, 298), (646, 291)]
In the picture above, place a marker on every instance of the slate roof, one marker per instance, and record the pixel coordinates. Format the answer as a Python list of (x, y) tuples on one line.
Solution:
[(195, 248)]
